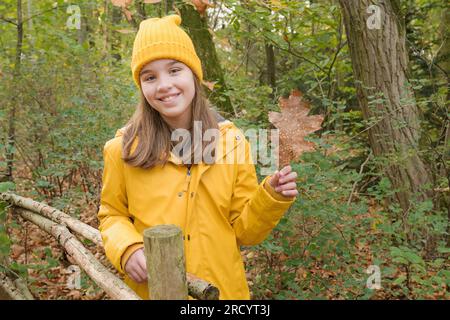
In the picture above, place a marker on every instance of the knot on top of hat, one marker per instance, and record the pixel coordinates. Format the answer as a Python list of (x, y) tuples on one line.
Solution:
[(174, 18)]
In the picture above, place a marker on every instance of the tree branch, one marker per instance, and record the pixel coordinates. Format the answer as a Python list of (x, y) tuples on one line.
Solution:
[(42, 12), (8, 20)]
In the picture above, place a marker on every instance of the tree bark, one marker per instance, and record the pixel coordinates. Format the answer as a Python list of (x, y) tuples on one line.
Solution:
[(200, 289), (197, 28), (8, 176), (168, 5), (379, 60), (443, 59), (13, 290), (270, 60), (116, 17), (271, 71), (30, 21), (84, 27), (140, 8)]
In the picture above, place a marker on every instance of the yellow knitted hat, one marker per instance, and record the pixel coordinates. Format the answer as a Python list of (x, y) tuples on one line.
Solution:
[(162, 38)]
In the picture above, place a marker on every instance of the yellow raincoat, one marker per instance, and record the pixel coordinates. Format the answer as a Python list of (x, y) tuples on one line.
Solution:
[(218, 207)]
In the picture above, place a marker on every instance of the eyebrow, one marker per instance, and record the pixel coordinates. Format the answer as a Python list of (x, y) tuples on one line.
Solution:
[(150, 70)]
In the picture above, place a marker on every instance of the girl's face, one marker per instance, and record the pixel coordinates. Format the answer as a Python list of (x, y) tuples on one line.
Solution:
[(168, 85)]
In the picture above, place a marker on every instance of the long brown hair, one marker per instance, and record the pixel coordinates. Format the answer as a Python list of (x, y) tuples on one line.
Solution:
[(154, 134)]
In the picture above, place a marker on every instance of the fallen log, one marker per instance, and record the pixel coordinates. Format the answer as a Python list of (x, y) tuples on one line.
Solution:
[(112, 285), (55, 215), (22, 286), (13, 290), (201, 289)]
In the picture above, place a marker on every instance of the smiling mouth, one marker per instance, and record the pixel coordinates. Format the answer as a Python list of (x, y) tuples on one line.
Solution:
[(170, 98)]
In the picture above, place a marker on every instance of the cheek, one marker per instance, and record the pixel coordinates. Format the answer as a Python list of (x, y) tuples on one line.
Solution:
[(190, 88), (148, 92)]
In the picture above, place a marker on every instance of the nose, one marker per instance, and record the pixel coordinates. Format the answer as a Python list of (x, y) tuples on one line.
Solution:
[(164, 83)]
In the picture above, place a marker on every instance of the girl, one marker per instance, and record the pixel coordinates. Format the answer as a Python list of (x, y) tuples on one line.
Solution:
[(219, 206)]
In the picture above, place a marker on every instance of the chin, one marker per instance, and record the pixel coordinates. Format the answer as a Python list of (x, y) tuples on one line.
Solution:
[(172, 112)]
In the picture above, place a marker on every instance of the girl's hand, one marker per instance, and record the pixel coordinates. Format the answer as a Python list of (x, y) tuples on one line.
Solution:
[(136, 267), (284, 182)]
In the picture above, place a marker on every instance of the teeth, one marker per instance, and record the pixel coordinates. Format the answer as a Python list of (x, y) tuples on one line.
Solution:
[(169, 98)]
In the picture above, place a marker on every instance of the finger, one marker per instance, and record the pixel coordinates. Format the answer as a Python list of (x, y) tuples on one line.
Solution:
[(140, 273), (142, 263), (142, 278), (275, 178), (290, 177), (290, 193), (287, 186), (142, 267), (285, 170), (134, 276)]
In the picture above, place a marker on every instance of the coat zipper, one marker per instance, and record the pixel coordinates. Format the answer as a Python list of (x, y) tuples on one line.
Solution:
[(188, 181)]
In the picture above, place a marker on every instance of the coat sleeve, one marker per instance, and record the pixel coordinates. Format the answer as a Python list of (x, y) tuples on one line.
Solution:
[(254, 211), (116, 227)]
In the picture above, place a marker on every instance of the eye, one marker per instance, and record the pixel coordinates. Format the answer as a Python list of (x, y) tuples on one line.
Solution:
[(149, 78), (175, 70)]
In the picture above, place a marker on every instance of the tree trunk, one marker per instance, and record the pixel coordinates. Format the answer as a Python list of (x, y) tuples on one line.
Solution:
[(168, 5), (30, 21), (271, 71), (83, 31), (197, 28), (116, 17), (106, 30), (8, 176), (379, 60), (443, 59)]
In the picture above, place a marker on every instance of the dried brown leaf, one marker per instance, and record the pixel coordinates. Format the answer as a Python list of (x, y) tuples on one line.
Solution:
[(294, 125), (210, 84), (16, 251), (201, 5)]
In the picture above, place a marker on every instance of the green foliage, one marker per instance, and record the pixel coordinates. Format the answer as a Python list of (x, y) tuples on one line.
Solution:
[(320, 232), (322, 248), (5, 242)]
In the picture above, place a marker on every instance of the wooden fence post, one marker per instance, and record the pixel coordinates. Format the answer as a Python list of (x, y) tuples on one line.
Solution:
[(164, 252)]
